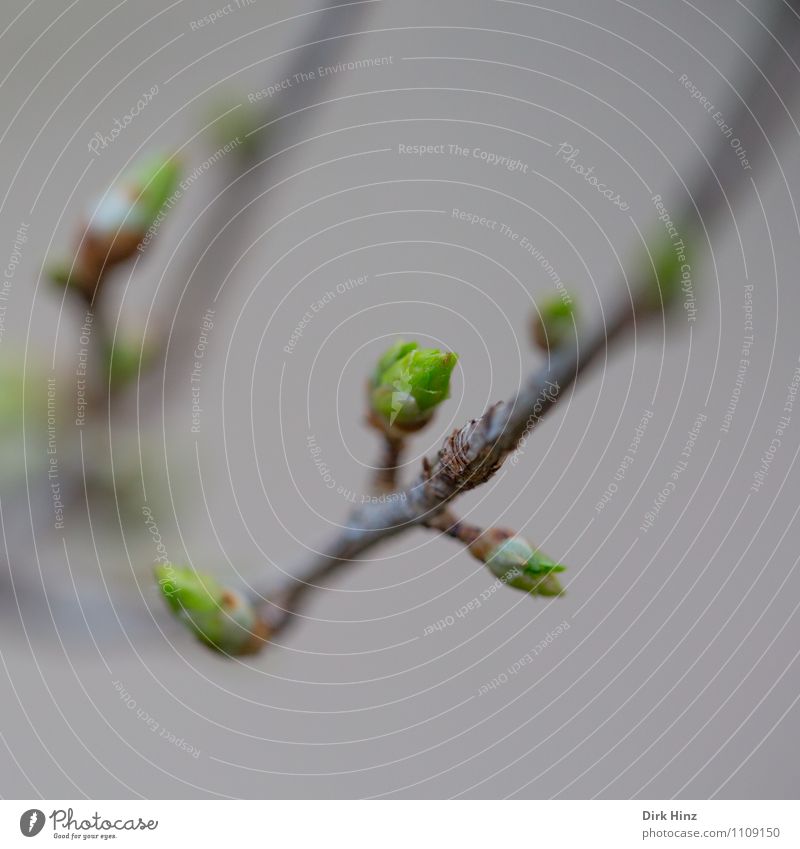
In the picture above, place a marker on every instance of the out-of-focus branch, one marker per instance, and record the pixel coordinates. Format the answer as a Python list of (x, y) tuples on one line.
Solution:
[(219, 240)]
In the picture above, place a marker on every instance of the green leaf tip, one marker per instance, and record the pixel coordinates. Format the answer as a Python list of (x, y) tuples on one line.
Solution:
[(219, 617), (408, 384)]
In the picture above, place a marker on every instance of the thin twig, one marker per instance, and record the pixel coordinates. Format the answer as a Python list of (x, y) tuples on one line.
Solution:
[(468, 458), (385, 475), (471, 455)]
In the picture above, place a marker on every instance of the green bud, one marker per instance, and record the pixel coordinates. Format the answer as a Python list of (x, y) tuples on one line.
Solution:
[(390, 357), (117, 215), (554, 322), (119, 223), (60, 272), (409, 383), (663, 274), (150, 183), (132, 205), (219, 617), (81, 276), (523, 567), (232, 122), (126, 360)]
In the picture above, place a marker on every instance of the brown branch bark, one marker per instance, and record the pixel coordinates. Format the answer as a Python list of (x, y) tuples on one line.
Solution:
[(385, 475), (471, 455), (467, 458)]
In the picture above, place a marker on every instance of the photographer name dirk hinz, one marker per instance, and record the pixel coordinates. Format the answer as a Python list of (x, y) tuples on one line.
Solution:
[(673, 815)]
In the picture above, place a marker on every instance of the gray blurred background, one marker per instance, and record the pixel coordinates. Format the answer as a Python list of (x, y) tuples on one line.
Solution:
[(677, 673)]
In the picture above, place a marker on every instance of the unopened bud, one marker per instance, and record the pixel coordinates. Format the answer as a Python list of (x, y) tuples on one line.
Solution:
[(234, 125), (517, 563), (127, 360), (409, 383), (148, 186), (119, 223), (554, 322), (663, 276), (219, 617)]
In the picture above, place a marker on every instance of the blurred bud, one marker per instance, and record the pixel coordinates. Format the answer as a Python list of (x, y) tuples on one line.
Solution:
[(554, 322), (517, 563), (409, 383), (233, 122), (126, 360), (662, 272), (61, 271), (219, 617), (120, 222), (122, 219)]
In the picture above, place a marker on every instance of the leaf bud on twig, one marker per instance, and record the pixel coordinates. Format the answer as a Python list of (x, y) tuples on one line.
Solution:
[(517, 563), (554, 322), (219, 617), (408, 384)]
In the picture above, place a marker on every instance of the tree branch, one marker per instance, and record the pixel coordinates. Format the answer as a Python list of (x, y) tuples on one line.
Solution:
[(471, 455), (468, 457)]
